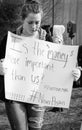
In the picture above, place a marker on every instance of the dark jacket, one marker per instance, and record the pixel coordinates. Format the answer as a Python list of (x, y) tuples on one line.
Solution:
[(79, 59), (2, 55)]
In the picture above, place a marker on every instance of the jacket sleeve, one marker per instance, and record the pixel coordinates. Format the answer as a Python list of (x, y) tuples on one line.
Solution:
[(49, 38), (3, 47), (2, 55), (79, 62), (79, 57)]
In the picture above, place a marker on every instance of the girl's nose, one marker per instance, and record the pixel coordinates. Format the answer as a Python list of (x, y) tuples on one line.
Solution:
[(34, 26)]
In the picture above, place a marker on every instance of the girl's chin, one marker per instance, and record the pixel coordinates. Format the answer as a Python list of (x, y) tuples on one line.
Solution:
[(33, 33), (30, 33)]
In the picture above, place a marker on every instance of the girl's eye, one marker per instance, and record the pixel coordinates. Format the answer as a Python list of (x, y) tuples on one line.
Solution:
[(32, 22)]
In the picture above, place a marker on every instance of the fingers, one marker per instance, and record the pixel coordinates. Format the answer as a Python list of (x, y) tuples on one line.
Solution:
[(76, 73), (2, 60), (2, 68)]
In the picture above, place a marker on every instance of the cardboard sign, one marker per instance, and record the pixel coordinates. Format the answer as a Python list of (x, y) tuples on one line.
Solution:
[(39, 72)]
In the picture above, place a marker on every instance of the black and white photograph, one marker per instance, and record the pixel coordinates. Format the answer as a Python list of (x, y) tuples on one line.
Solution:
[(40, 64)]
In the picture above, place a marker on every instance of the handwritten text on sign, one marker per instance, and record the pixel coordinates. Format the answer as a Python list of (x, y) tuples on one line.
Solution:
[(39, 72)]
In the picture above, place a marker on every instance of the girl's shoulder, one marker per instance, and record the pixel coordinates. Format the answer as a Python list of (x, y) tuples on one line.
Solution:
[(42, 34)]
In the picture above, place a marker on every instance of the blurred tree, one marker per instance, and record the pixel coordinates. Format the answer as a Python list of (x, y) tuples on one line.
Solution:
[(9, 15), (16, 2), (31, 0), (9, 10)]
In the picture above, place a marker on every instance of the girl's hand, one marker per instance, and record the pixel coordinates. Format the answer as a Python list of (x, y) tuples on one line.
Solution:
[(76, 73), (2, 69)]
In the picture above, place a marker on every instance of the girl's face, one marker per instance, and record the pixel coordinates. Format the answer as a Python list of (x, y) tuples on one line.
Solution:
[(31, 24)]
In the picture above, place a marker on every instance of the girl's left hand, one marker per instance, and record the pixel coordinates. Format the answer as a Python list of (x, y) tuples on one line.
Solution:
[(76, 73)]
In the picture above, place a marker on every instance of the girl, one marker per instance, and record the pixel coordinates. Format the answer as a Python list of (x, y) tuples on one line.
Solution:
[(25, 116)]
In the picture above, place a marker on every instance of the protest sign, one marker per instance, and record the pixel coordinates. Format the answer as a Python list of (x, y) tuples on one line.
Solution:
[(39, 72)]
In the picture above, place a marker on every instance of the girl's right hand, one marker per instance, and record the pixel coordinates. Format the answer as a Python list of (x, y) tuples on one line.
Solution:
[(2, 69)]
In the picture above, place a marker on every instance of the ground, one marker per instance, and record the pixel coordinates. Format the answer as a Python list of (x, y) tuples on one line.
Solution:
[(68, 119)]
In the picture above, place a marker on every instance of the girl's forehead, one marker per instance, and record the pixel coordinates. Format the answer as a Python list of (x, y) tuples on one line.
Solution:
[(34, 16)]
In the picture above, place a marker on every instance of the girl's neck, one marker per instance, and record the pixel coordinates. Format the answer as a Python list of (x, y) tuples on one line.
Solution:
[(36, 35)]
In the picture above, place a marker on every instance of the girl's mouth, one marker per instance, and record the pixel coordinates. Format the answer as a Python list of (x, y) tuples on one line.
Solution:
[(34, 30)]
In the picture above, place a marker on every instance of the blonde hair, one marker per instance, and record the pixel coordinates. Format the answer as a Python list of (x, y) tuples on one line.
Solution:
[(31, 7)]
